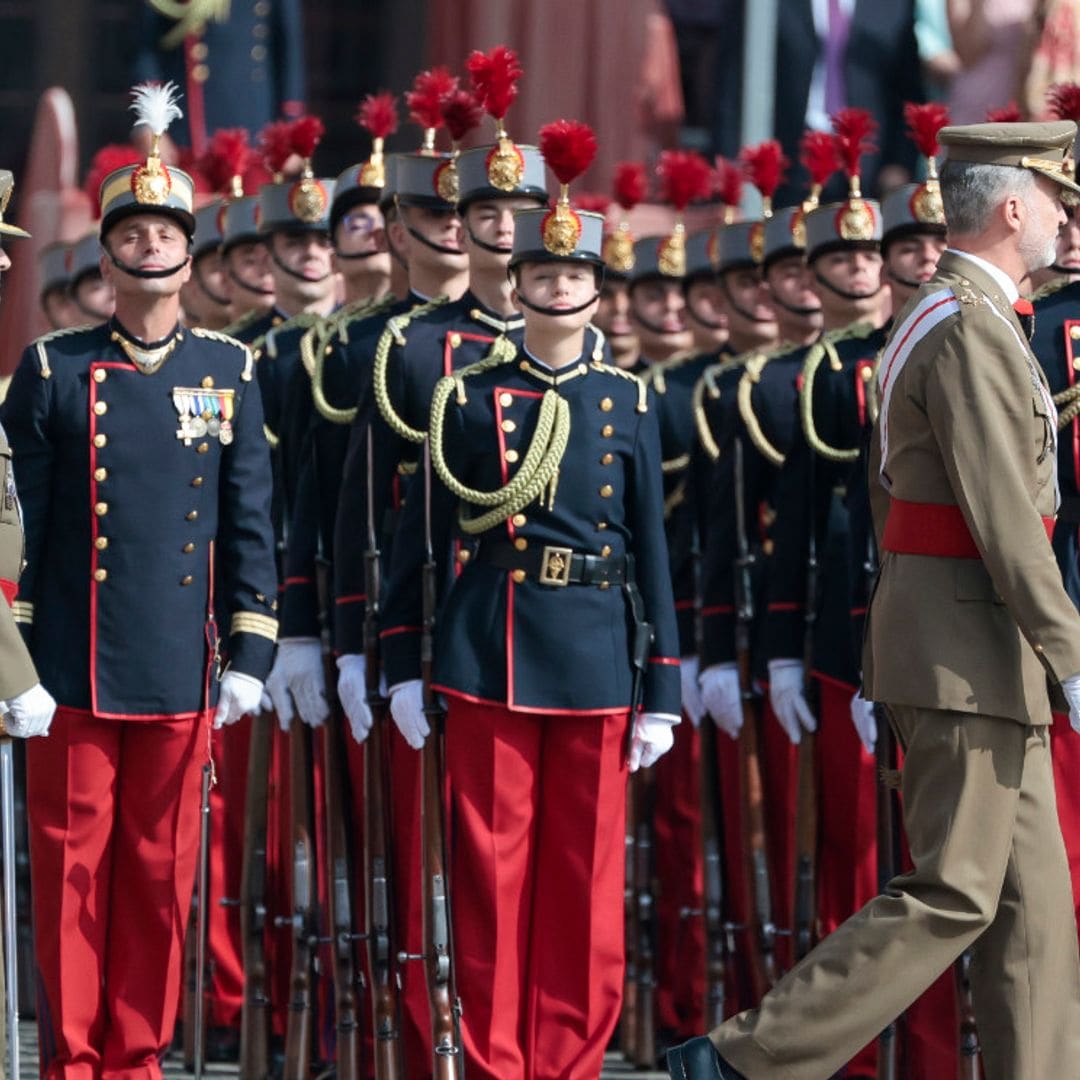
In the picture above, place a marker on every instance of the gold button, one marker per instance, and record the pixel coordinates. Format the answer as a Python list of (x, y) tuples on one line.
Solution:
[(606, 404), (101, 509), (455, 340), (604, 585), (192, 515), (200, 73), (518, 520), (511, 456), (196, 481), (1074, 333), (524, 365), (260, 30), (607, 431), (202, 447), (601, 525), (607, 459), (867, 373), (258, 53), (605, 551), (606, 491), (100, 574), (508, 426), (521, 543), (464, 555), (187, 579), (262, 7), (189, 547), (100, 374), (518, 576), (101, 474), (101, 543), (101, 407), (100, 441), (199, 50), (506, 399), (208, 382)]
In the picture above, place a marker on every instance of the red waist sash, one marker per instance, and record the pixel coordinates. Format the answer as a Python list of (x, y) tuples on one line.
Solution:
[(933, 529)]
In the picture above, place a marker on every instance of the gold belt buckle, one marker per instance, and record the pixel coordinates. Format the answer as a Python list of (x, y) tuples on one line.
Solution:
[(555, 566)]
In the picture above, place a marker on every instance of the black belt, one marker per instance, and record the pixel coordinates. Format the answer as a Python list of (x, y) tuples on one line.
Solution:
[(552, 565)]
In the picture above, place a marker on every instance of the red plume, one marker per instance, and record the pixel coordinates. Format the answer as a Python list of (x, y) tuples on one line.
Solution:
[(378, 114), (818, 155), (494, 77), (764, 166), (108, 159), (924, 122), (568, 147), (426, 96), (728, 181), (255, 177), (192, 165), (229, 154), (462, 113), (595, 201), (1007, 114), (630, 184), (684, 177), (1063, 100), (305, 134), (852, 130), (275, 143)]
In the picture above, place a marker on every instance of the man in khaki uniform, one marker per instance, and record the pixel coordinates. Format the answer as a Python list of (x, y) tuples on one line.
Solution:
[(968, 623), (27, 707)]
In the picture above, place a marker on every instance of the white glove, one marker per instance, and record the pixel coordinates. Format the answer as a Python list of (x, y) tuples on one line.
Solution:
[(30, 713), (276, 697), (692, 704), (862, 716), (239, 695), (301, 662), (786, 682), (654, 735), (1071, 687), (407, 709), (722, 697), (352, 692)]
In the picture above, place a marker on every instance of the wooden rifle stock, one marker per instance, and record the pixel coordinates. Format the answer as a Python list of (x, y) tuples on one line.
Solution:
[(888, 862), (644, 1051), (190, 986), (255, 1014), (628, 1019)]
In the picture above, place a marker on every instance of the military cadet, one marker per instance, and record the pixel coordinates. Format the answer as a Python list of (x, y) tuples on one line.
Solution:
[(965, 453), (537, 732), (706, 323), (54, 267), (204, 298), (25, 705), (657, 305), (246, 262), (92, 294), (119, 600)]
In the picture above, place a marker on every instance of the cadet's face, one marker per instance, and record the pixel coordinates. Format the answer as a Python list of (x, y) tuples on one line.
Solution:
[(203, 297), (704, 301), (561, 286), (306, 254), (660, 304), (147, 242), (441, 227), (915, 258), (1068, 241), (249, 264), (613, 314), (790, 281), (60, 309), (95, 297), (854, 272), (744, 287), (362, 231), (492, 221)]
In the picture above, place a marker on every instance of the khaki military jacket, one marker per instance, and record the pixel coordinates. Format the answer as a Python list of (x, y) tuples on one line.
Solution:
[(17, 672), (967, 420)]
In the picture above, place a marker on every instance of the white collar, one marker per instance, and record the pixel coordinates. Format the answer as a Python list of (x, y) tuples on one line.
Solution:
[(1008, 286)]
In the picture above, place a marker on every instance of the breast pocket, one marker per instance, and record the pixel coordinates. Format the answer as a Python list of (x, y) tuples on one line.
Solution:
[(973, 583)]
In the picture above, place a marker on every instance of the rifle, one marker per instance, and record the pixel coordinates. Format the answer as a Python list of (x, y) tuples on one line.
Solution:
[(644, 1045), (255, 1015), (438, 943), (628, 1019), (300, 1027), (970, 1051), (11, 952), (388, 1065), (763, 968), (202, 921), (339, 856), (806, 814)]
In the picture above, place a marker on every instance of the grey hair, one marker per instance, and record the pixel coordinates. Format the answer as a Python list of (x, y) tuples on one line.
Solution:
[(971, 192)]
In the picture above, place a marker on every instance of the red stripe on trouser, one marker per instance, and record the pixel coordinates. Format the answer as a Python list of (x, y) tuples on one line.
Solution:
[(779, 775), (114, 832), (539, 815), (680, 939), (1065, 754)]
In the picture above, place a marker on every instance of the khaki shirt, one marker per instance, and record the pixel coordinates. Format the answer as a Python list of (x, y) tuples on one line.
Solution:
[(969, 423)]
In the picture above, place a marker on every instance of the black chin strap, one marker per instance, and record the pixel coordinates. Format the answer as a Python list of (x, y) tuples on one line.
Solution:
[(493, 248), (843, 293), (145, 275), (651, 326), (221, 301), (557, 311), (893, 276), (258, 290), (417, 235), (357, 255), (796, 309), (738, 309), (1065, 271), (709, 324), (294, 273)]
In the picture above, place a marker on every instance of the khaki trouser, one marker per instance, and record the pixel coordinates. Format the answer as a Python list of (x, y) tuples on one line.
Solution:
[(990, 875)]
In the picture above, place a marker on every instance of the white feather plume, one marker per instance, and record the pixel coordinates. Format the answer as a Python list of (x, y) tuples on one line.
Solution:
[(156, 106)]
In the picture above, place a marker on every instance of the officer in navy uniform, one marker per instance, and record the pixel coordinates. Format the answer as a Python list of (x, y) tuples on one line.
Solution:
[(238, 65), (145, 484), (537, 725)]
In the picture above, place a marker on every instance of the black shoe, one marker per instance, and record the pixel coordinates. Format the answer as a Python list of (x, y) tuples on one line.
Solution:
[(698, 1060)]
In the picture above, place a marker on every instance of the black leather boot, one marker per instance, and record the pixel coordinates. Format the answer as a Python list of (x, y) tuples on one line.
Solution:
[(698, 1060)]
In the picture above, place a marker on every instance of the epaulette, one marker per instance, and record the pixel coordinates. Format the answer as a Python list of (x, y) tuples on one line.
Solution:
[(268, 342), (1053, 286), (337, 325), (656, 375), (225, 339), (599, 343), (965, 294), (41, 342), (642, 388), (244, 321)]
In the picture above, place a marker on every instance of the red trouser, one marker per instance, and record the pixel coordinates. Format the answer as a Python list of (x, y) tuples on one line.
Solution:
[(539, 815), (680, 944), (114, 834)]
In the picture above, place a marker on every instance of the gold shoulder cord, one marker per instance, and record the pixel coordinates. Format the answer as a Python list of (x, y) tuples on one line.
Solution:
[(245, 320), (225, 339), (642, 388), (191, 17), (539, 468), (1050, 288), (43, 356), (751, 377)]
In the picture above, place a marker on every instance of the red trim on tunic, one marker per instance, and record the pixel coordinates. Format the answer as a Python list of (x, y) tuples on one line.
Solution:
[(448, 351), (297, 581), (399, 630), (718, 609), (785, 607), (352, 598), (674, 661), (1070, 373)]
